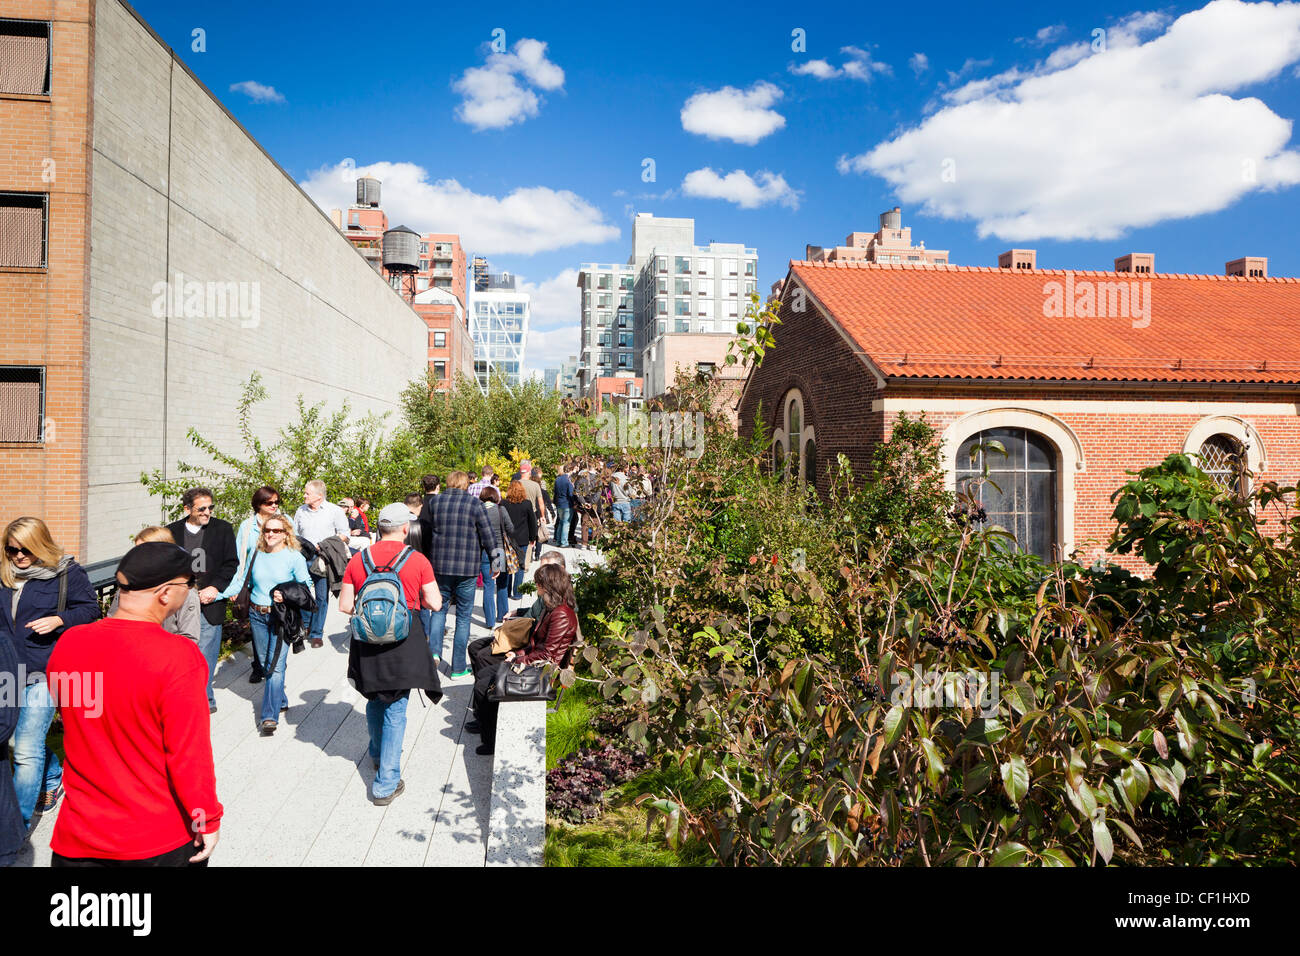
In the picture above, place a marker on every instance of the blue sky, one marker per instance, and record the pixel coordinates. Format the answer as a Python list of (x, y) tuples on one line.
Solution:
[(1081, 130)]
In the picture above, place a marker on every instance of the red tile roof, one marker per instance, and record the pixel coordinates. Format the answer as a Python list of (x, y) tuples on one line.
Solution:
[(937, 321)]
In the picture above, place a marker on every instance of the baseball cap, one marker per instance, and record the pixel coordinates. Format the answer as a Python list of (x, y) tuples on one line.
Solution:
[(395, 515), (156, 562)]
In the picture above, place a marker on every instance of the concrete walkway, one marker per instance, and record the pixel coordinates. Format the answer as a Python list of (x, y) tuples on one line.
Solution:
[(301, 797)]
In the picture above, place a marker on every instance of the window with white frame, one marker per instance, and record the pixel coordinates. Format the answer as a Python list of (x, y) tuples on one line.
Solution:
[(1020, 492)]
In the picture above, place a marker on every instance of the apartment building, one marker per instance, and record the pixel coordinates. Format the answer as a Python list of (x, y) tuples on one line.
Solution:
[(608, 314), (498, 322)]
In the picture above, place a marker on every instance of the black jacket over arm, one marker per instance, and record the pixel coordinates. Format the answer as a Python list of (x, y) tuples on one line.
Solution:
[(12, 831), (219, 565)]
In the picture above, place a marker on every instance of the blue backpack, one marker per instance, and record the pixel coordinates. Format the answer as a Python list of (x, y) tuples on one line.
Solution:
[(381, 615)]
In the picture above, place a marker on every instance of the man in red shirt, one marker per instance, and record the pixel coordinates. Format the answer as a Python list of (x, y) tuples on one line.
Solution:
[(139, 777), (386, 673)]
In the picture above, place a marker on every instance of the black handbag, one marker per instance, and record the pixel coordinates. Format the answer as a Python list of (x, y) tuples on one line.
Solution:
[(244, 599), (532, 683)]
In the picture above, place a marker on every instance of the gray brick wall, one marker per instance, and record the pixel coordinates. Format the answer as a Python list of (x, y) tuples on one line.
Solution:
[(327, 326)]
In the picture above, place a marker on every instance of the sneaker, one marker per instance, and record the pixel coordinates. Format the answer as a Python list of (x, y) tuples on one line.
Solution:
[(212, 708), (48, 800), (255, 677), (268, 728), (458, 674), (436, 660), (385, 801), (317, 642)]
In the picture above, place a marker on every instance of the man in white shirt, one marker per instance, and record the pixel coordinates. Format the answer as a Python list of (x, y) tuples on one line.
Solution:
[(316, 520)]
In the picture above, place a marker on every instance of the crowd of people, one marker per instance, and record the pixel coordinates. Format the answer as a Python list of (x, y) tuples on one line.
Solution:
[(139, 785)]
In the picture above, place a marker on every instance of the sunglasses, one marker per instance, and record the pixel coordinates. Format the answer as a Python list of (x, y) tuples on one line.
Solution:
[(14, 552), (201, 510), (267, 531)]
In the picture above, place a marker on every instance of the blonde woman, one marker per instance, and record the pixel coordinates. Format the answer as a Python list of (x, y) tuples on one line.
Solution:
[(275, 561), (43, 592)]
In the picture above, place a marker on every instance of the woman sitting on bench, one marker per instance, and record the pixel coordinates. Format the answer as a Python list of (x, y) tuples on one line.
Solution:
[(551, 639)]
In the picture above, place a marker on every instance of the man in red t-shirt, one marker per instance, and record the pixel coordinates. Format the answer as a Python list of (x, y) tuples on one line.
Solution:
[(139, 777), (386, 673)]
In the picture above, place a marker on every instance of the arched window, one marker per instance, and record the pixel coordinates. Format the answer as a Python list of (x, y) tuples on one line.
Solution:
[(1024, 500), (1220, 456), (778, 459), (797, 436)]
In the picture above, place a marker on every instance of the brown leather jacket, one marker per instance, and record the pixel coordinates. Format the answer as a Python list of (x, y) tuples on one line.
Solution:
[(552, 637)]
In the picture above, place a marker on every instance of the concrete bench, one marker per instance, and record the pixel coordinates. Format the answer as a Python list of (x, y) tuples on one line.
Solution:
[(517, 821)]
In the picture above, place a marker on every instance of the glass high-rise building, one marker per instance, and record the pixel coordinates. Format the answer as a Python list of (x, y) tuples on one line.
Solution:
[(498, 316)]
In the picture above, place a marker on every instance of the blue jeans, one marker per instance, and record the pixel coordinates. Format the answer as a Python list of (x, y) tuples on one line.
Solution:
[(273, 695), (316, 621), (502, 588), (387, 723), (462, 586), (489, 592), (426, 621), (622, 511), (36, 767), (210, 646), (562, 517)]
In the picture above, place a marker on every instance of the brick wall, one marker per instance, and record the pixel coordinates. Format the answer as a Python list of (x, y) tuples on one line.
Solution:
[(1118, 430), (44, 149)]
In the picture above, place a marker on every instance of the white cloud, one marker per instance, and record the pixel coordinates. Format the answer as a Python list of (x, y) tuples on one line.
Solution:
[(525, 221), (549, 348), (1044, 36), (1093, 145), (742, 116), (553, 302), (739, 187), (818, 68), (861, 66), (258, 92), (919, 63), (494, 98)]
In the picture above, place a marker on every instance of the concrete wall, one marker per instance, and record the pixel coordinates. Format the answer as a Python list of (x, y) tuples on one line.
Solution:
[(180, 187)]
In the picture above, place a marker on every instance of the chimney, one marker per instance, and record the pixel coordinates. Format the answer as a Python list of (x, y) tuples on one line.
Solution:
[(1018, 259), (1254, 267), (1136, 262)]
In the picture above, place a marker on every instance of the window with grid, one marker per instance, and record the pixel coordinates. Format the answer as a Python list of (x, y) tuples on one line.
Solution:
[(24, 56), (439, 340), (1220, 457), (1020, 494), (22, 403), (23, 229)]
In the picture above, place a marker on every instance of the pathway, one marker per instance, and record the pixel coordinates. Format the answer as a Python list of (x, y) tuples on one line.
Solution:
[(301, 797)]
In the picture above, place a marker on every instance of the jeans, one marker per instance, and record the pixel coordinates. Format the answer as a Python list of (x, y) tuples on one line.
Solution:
[(273, 695), (463, 586), (426, 621), (316, 621), (387, 722), (36, 767), (562, 517), (489, 593), (502, 588), (622, 511), (210, 646)]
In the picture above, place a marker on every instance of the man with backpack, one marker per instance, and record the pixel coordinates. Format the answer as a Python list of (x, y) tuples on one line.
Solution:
[(383, 589)]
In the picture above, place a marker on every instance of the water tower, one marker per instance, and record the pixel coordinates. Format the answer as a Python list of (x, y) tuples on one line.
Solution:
[(402, 256), (368, 191)]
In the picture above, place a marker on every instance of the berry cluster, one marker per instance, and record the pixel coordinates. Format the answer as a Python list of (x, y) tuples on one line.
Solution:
[(965, 516), (866, 688)]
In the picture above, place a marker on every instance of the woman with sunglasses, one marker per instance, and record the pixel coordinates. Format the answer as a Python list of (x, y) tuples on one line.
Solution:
[(34, 574), (276, 559), (266, 502)]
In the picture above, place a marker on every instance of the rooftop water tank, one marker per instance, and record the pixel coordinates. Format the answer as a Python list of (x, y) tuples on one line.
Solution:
[(893, 219), (402, 250), (367, 191)]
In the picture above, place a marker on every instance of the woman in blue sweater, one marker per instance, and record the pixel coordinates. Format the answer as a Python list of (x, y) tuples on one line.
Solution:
[(276, 560), (43, 592)]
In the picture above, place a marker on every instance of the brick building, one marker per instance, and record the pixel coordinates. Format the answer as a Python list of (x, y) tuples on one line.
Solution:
[(1084, 376), (153, 256)]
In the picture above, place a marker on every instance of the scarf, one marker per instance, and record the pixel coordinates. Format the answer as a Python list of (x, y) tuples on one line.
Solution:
[(43, 572)]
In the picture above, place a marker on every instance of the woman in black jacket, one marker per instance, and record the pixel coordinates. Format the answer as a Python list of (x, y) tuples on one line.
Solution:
[(496, 588), (43, 592), (524, 518)]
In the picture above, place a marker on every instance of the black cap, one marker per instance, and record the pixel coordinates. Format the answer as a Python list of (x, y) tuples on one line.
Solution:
[(148, 565)]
